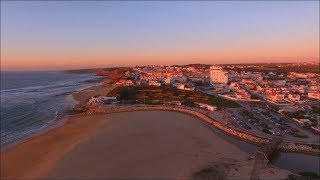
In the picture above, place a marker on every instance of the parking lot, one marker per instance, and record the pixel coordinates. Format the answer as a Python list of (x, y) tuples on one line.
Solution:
[(259, 120)]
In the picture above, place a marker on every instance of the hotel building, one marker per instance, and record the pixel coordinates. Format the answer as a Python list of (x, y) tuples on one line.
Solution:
[(217, 75)]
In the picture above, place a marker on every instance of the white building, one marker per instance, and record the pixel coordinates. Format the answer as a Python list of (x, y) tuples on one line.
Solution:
[(207, 106), (314, 95), (179, 86), (167, 80), (154, 83), (242, 95), (294, 97), (275, 97), (217, 75)]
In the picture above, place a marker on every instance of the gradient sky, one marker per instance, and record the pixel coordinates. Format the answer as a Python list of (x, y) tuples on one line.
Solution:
[(81, 34)]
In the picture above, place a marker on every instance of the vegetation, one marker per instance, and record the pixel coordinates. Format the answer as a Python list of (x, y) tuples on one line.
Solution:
[(211, 172), (297, 114), (303, 176), (310, 175), (160, 94), (300, 135), (315, 146), (247, 113), (274, 156), (283, 69), (266, 131)]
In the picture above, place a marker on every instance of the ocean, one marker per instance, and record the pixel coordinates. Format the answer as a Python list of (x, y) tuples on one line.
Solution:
[(32, 101)]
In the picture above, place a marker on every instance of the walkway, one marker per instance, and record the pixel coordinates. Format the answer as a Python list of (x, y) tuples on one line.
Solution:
[(262, 154)]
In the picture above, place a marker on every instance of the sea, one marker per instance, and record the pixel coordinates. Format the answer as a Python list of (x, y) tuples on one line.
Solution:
[(32, 101)]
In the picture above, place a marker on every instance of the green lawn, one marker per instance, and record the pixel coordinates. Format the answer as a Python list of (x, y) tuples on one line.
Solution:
[(157, 95)]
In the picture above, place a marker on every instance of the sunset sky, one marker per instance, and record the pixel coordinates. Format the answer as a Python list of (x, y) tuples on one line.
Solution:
[(56, 35)]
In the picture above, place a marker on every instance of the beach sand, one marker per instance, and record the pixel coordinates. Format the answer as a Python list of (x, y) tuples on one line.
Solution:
[(99, 90), (150, 144)]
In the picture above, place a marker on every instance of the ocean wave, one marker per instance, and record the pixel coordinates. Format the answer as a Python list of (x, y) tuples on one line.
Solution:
[(27, 128), (27, 110)]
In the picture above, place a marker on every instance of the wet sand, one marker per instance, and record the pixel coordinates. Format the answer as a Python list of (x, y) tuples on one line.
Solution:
[(151, 144)]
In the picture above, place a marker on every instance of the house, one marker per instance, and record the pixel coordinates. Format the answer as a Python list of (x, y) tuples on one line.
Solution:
[(313, 88), (242, 95), (154, 83), (207, 106), (314, 95), (167, 80), (189, 88), (259, 88), (246, 81), (275, 97), (294, 97), (182, 86), (178, 85), (173, 103), (250, 86), (123, 82), (234, 85)]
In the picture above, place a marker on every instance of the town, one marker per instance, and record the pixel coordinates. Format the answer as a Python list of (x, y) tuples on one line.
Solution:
[(249, 98)]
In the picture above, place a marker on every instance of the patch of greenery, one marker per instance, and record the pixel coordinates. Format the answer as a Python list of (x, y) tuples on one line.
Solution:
[(310, 175), (315, 146), (300, 136), (274, 156), (160, 94), (303, 176), (210, 172), (266, 131), (266, 68)]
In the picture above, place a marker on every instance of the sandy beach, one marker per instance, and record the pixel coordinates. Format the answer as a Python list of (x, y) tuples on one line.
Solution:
[(150, 144)]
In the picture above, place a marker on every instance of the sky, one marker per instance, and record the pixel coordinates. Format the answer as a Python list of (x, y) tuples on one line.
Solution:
[(56, 35)]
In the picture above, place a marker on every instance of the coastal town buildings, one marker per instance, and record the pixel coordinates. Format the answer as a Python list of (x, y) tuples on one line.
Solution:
[(217, 75), (293, 94), (314, 95), (294, 97)]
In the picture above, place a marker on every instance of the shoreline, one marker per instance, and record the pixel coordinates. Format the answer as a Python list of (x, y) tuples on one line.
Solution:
[(88, 132), (48, 154), (60, 121), (40, 132), (17, 148)]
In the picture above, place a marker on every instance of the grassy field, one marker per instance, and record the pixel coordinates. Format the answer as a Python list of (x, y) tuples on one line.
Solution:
[(158, 95)]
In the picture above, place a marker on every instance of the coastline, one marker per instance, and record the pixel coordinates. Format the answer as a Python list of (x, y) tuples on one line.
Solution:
[(13, 153), (77, 128), (60, 121), (49, 155)]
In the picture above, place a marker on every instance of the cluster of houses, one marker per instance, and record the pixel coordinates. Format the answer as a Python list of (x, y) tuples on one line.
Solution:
[(279, 88), (161, 75), (274, 87)]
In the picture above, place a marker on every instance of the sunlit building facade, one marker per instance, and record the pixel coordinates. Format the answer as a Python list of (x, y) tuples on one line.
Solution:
[(217, 75)]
